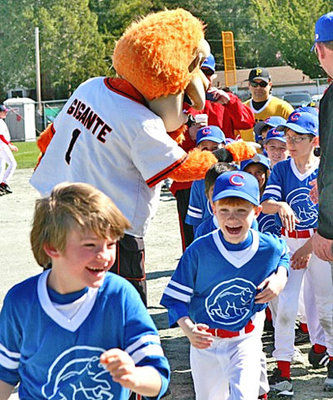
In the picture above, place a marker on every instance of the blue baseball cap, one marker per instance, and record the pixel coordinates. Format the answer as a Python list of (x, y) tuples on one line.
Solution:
[(237, 184), (276, 135), (302, 122), (324, 29), (311, 110), (209, 63), (210, 132), (257, 159), (272, 122)]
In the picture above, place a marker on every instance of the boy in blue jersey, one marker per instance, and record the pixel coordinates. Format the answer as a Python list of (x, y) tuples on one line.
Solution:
[(216, 295), (208, 138), (275, 146), (287, 194), (210, 223), (77, 330)]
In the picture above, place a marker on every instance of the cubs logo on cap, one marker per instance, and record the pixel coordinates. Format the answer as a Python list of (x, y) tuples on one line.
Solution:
[(237, 184), (275, 134), (210, 132), (237, 179), (294, 116), (301, 122)]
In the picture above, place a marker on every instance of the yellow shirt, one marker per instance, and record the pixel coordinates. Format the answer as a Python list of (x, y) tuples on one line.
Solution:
[(273, 107)]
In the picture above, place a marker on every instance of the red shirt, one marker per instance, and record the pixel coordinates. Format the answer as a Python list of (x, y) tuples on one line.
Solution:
[(229, 117)]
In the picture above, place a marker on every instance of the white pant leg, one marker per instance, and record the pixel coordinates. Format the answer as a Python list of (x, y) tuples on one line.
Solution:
[(210, 380), (301, 307), (284, 334), (273, 306), (245, 368), (321, 280), (7, 157), (2, 168), (316, 332)]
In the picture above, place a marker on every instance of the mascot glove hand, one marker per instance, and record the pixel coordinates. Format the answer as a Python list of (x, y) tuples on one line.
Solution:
[(241, 150)]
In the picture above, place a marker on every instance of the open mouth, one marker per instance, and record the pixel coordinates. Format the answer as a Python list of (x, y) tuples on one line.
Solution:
[(96, 271), (234, 230)]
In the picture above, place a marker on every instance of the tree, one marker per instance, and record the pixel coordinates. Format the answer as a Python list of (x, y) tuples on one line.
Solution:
[(71, 48), (290, 24)]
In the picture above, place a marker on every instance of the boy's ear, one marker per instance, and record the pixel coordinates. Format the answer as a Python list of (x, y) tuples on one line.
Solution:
[(257, 210), (315, 141), (50, 251), (213, 208)]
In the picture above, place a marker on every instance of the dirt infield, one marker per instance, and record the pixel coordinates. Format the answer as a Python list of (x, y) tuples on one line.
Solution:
[(162, 253)]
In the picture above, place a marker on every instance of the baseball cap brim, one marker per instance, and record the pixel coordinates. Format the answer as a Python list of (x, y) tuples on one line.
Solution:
[(211, 139), (281, 139), (234, 193), (294, 127), (260, 78)]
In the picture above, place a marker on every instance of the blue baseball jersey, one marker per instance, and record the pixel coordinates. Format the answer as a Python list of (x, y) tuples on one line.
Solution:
[(199, 207), (216, 282), (287, 184), (211, 224), (53, 356), (268, 223)]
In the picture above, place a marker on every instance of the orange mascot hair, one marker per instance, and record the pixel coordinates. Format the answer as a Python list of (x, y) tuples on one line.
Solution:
[(154, 54)]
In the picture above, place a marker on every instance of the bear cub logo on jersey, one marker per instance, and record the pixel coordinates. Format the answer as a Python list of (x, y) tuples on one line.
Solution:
[(230, 302), (77, 374)]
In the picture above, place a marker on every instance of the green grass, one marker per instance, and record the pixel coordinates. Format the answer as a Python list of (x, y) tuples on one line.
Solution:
[(27, 154)]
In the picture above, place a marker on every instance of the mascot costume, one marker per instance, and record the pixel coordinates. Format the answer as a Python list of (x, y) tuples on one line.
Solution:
[(122, 134)]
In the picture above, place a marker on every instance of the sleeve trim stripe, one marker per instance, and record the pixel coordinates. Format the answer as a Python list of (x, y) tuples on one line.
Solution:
[(141, 341), (273, 192), (176, 295), (152, 350), (180, 286), (9, 353), (274, 186), (194, 208), (8, 363), (162, 175), (193, 214)]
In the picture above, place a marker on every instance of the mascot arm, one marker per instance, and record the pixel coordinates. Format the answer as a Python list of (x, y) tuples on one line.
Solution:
[(45, 138), (198, 162), (43, 141), (194, 167)]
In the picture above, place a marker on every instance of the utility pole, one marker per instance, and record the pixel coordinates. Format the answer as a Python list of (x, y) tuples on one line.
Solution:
[(38, 85)]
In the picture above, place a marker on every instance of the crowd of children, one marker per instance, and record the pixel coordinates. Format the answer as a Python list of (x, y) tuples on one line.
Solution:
[(253, 225)]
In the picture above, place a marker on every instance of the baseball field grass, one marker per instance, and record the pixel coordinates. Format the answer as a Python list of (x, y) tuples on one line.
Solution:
[(27, 154)]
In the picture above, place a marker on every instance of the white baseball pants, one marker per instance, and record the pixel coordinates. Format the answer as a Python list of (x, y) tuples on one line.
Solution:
[(6, 158)]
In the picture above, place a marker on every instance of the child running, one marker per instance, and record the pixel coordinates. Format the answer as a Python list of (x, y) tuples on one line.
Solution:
[(77, 331), (216, 295)]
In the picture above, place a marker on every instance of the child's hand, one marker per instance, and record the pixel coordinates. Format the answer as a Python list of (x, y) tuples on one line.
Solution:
[(300, 259), (12, 147), (219, 95), (314, 195), (121, 367), (272, 286), (196, 333), (288, 218), (144, 380), (199, 338)]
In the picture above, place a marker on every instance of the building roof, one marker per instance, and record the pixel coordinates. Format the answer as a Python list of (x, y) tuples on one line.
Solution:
[(281, 76)]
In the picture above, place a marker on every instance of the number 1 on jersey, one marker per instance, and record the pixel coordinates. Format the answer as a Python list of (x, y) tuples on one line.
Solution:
[(75, 135)]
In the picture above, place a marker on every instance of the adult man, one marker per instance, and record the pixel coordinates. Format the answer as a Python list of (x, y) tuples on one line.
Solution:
[(262, 103), (323, 239), (6, 156)]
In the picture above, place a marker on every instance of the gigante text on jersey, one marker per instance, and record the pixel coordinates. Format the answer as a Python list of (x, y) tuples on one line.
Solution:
[(89, 119)]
